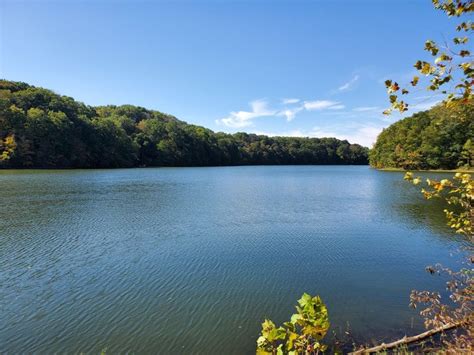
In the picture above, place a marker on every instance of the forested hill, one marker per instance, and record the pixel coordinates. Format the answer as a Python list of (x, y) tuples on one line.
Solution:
[(39, 128), (439, 138)]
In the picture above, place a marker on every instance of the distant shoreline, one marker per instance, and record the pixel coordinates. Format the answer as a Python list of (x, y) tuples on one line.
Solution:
[(171, 166)]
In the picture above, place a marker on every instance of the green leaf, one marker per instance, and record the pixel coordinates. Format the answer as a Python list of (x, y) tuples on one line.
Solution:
[(305, 329), (303, 301), (280, 349), (267, 327), (291, 340), (261, 341), (295, 318)]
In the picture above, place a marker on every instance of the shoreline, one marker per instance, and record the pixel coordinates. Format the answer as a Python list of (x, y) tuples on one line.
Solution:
[(463, 171), (170, 166)]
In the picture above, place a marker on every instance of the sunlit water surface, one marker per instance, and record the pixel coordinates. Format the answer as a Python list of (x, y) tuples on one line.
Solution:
[(191, 260)]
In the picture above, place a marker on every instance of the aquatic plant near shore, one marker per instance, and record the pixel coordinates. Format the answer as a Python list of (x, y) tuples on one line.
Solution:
[(301, 335)]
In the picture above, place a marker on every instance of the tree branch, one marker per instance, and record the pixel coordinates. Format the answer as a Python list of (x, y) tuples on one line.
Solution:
[(407, 340)]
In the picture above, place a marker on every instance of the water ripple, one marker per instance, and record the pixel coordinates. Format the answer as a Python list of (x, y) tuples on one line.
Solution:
[(192, 260)]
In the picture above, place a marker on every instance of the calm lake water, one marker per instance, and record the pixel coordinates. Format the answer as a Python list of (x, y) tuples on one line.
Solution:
[(191, 260)]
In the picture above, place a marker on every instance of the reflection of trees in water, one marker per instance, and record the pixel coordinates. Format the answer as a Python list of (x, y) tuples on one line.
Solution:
[(429, 213), (414, 209)]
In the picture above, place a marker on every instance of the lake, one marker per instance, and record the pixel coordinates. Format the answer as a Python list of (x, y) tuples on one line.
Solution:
[(191, 260)]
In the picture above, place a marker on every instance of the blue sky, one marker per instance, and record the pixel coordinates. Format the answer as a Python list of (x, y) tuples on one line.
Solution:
[(300, 68)]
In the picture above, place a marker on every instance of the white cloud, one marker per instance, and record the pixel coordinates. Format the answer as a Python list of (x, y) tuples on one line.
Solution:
[(290, 113), (241, 119), (365, 135), (289, 101), (322, 105), (260, 108), (431, 97), (350, 84), (293, 133)]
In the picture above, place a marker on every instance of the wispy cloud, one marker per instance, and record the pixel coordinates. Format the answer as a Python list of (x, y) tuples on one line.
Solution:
[(423, 106), (322, 105), (349, 85), (365, 135), (290, 113), (239, 119), (290, 101), (260, 108), (367, 109), (431, 97), (425, 102)]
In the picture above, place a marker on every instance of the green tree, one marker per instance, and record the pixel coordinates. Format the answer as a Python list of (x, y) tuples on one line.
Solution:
[(467, 154), (433, 139), (51, 130)]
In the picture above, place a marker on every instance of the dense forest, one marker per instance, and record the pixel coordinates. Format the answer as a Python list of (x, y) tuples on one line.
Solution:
[(440, 138), (41, 129)]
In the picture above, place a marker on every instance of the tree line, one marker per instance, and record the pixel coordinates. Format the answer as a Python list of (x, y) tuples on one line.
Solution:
[(41, 129), (440, 138)]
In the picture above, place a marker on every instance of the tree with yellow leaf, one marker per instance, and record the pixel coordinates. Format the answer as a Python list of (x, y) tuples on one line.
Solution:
[(452, 64), (7, 147)]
